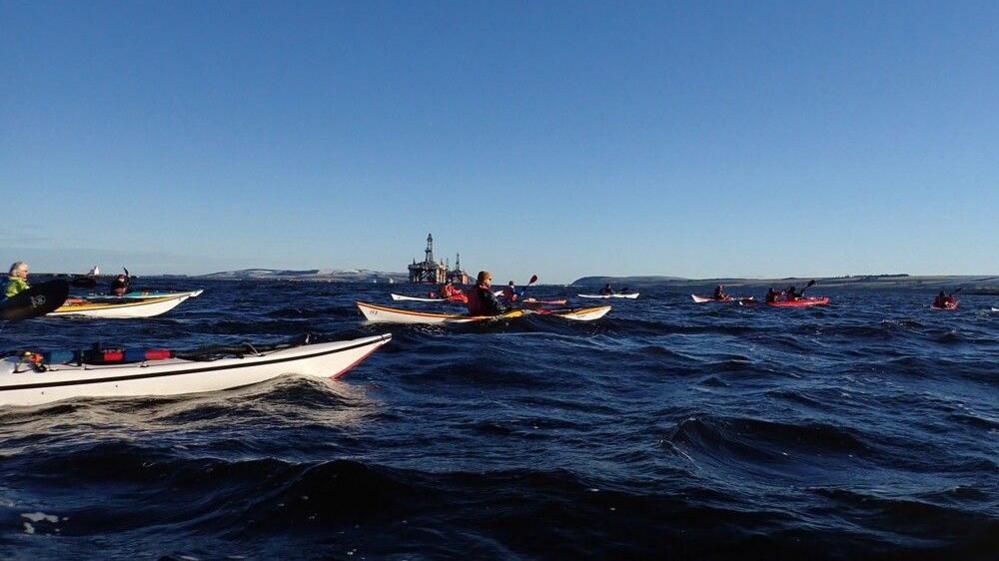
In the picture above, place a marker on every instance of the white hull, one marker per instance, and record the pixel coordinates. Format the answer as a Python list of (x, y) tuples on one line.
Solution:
[(731, 300), (126, 309), (177, 376), (632, 296)]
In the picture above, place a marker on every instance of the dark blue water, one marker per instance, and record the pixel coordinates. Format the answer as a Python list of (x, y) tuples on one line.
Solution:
[(669, 430)]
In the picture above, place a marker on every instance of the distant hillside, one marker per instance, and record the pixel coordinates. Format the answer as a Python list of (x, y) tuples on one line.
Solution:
[(982, 284), (316, 275)]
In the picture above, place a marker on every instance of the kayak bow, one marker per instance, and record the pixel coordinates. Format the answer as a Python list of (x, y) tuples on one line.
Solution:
[(404, 298), (579, 314)]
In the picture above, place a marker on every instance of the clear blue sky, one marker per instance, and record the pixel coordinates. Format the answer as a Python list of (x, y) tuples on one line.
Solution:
[(694, 139)]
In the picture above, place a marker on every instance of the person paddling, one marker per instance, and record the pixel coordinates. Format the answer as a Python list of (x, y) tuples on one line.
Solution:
[(943, 300), (120, 285), (481, 300), (720, 292), (17, 280), (447, 290), (606, 290), (792, 294), (510, 293)]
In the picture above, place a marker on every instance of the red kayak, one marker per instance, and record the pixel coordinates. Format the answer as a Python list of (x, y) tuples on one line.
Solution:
[(800, 303), (952, 305)]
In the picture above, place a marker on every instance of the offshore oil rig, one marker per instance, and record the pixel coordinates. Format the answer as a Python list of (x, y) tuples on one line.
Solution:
[(436, 272)]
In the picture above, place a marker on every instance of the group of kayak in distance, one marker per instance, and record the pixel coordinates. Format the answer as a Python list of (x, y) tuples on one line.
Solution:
[(792, 297), (481, 299)]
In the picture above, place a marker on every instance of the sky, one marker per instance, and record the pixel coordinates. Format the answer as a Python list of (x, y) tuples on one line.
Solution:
[(694, 139)]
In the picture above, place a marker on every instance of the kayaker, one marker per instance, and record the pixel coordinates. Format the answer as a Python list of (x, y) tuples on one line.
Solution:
[(606, 290), (17, 280), (942, 300), (452, 293), (720, 292), (772, 295), (481, 300), (510, 293), (792, 294), (120, 285)]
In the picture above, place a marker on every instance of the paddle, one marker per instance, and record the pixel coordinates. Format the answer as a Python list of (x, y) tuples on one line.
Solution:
[(810, 283), (36, 301), (534, 279)]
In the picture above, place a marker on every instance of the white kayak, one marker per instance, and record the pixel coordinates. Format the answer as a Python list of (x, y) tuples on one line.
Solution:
[(124, 309), (138, 295), (630, 296), (576, 314), (731, 299), (22, 384), (403, 298), (382, 314)]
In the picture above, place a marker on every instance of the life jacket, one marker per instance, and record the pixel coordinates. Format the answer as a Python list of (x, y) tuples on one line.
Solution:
[(15, 286), (479, 302), (509, 294)]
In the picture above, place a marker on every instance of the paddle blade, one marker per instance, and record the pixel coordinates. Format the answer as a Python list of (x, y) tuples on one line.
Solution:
[(36, 301), (534, 279)]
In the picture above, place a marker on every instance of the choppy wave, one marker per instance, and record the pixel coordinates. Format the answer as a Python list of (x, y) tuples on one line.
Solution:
[(670, 430)]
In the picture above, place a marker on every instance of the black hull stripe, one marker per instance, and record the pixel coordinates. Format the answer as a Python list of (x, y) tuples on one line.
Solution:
[(185, 372)]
